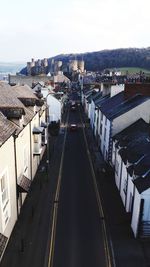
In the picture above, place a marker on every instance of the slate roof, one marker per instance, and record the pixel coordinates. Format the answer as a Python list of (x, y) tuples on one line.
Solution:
[(8, 97), (142, 184), (101, 100), (91, 95), (134, 144), (96, 96), (24, 91), (3, 242), (117, 105), (7, 128), (86, 93)]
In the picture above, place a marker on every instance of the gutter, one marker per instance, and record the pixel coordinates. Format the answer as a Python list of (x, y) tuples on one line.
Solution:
[(15, 157)]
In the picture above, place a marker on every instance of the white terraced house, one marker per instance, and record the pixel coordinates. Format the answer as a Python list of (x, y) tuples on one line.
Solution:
[(22, 144), (131, 162)]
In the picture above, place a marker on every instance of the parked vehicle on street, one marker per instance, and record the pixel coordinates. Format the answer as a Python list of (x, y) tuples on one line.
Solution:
[(73, 127)]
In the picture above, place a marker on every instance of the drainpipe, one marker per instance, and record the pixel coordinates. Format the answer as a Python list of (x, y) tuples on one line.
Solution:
[(15, 157), (30, 149), (48, 145), (110, 143), (120, 175), (127, 190), (138, 234)]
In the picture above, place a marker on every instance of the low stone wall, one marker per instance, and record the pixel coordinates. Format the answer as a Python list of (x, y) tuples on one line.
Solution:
[(29, 80)]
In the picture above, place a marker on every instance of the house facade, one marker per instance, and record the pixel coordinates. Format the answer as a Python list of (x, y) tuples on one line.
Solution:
[(8, 187), (22, 144), (131, 162), (118, 113)]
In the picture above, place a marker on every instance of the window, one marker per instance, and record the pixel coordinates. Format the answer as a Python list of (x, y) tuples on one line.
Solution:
[(36, 138), (117, 167), (4, 199), (106, 155), (44, 138), (125, 186), (94, 117), (101, 129), (25, 159), (4, 189), (105, 134)]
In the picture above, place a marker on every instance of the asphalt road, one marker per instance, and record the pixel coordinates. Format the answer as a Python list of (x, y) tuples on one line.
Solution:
[(79, 237)]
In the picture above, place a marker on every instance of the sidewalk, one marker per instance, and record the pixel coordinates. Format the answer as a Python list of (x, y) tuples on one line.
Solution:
[(127, 250)]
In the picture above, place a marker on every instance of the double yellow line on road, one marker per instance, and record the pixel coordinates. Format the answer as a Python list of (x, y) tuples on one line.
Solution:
[(99, 202), (56, 199)]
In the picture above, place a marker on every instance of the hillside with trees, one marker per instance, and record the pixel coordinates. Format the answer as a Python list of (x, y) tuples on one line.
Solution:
[(106, 59)]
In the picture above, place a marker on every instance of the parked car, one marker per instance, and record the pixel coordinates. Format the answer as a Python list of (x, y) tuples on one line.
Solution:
[(73, 108), (73, 127)]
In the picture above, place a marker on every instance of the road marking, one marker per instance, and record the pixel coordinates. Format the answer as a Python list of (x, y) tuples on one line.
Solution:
[(56, 202), (101, 212)]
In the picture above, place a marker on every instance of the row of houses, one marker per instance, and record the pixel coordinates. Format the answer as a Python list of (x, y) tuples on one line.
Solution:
[(23, 138), (119, 116), (56, 101)]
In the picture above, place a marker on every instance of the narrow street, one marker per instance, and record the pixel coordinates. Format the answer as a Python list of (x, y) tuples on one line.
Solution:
[(78, 238), (79, 232)]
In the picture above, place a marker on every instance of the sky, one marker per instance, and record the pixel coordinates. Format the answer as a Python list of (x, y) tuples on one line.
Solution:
[(46, 28)]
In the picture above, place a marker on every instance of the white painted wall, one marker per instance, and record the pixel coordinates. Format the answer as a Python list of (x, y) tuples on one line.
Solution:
[(96, 119), (105, 136), (105, 88), (124, 181), (136, 209), (113, 158), (136, 212), (23, 145), (99, 120), (54, 108), (89, 110), (126, 119), (146, 210), (116, 89), (130, 194), (118, 170), (92, 113), (7, 163), (35, 159)]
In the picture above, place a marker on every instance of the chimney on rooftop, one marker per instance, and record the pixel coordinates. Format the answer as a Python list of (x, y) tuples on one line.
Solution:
[(132, 89)]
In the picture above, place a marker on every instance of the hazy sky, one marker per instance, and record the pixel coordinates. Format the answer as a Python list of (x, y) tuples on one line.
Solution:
[(45, 28)]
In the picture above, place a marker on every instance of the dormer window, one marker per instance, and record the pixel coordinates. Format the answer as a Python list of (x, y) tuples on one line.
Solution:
[(13, 112), (28, 102)]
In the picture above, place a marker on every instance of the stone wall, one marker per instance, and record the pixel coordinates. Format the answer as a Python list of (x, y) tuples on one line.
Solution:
[(29, 80)]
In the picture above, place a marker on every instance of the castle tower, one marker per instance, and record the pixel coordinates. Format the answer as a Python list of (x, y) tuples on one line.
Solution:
[(45, 62), (32, 63), (73, 65), (81, 65)]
